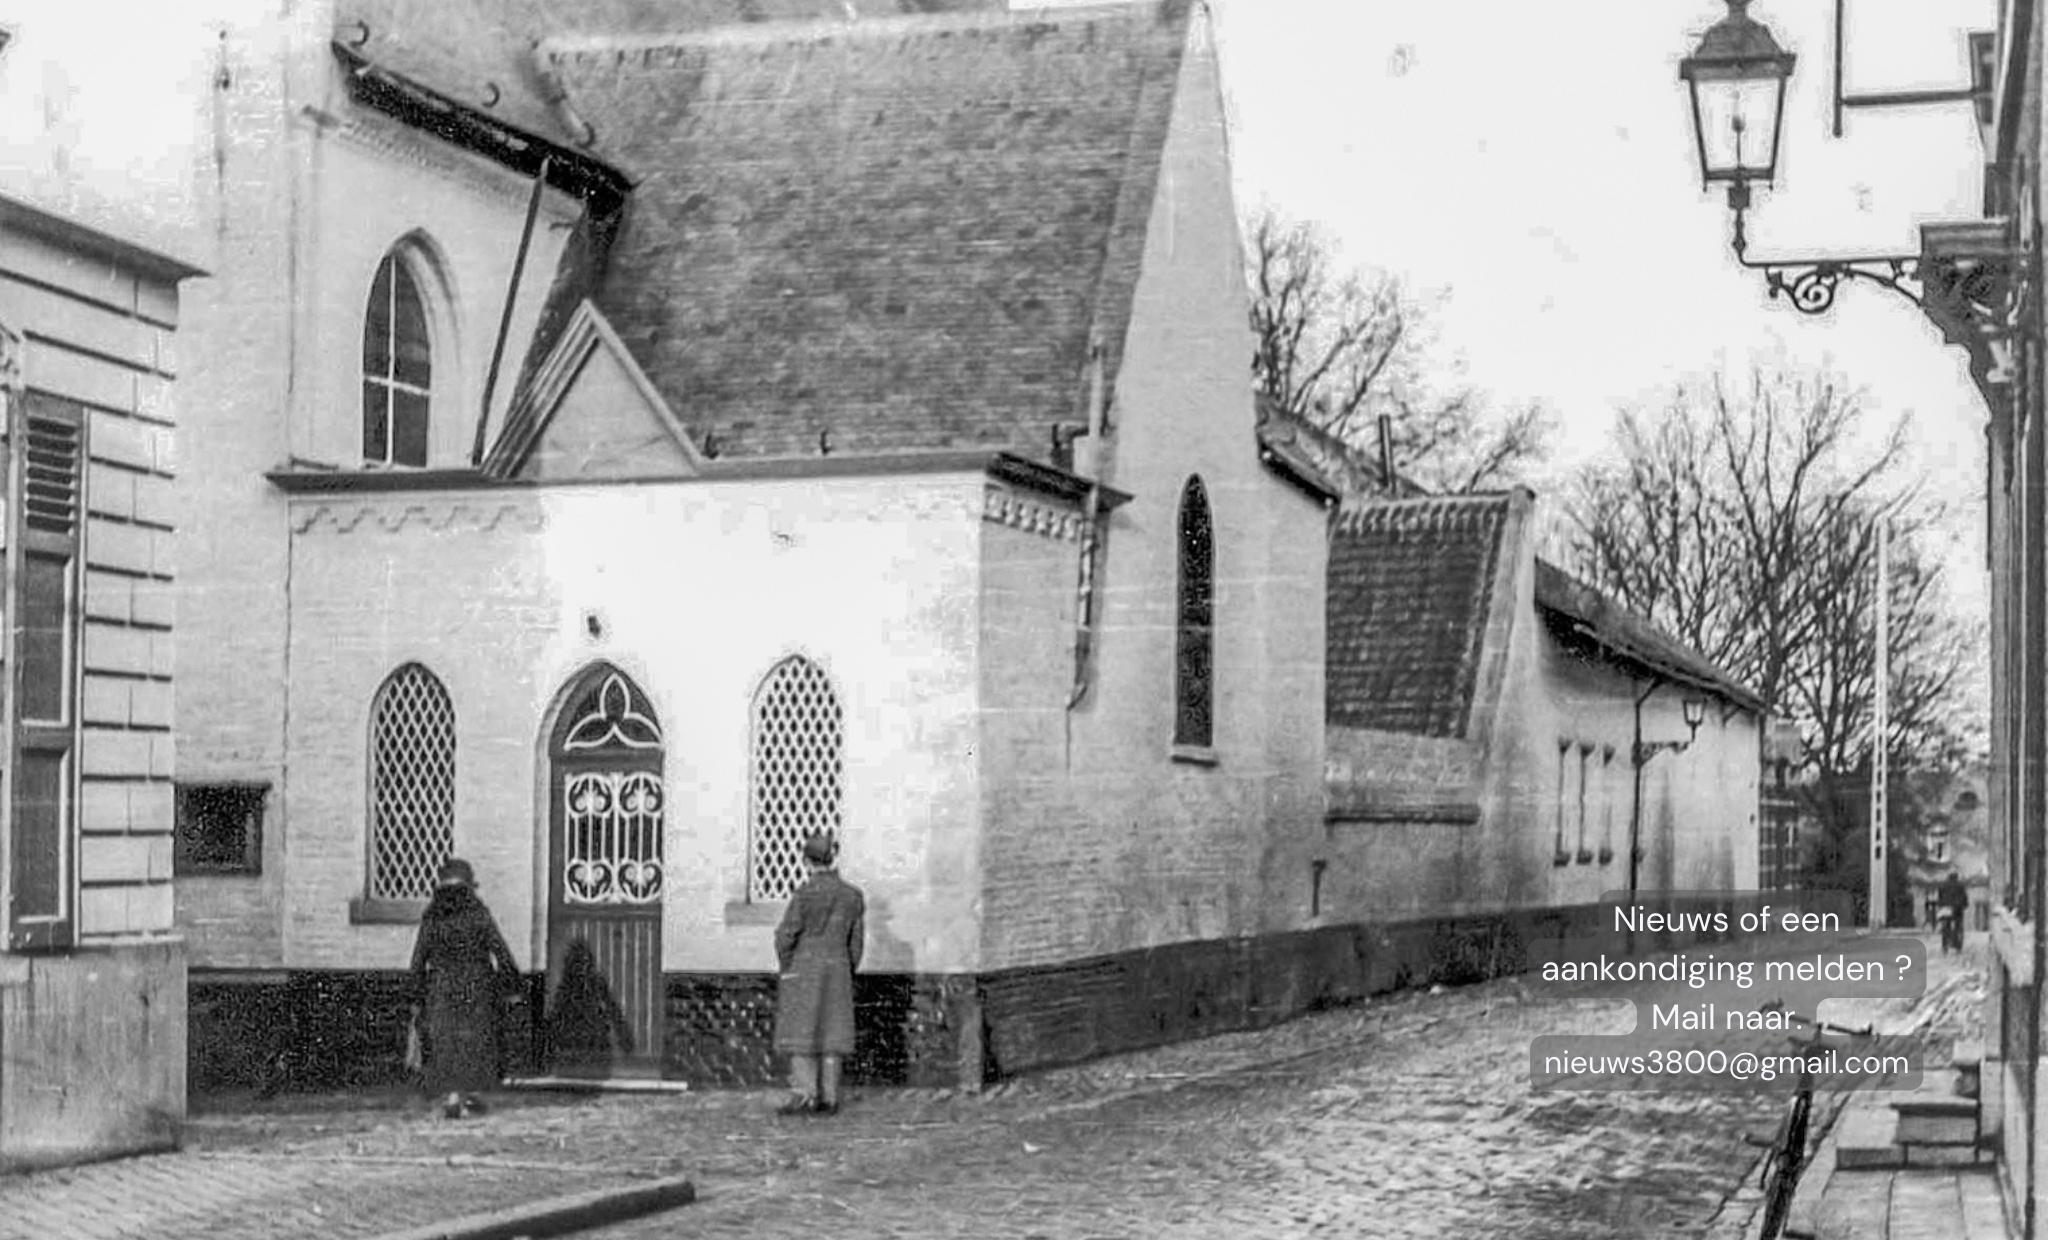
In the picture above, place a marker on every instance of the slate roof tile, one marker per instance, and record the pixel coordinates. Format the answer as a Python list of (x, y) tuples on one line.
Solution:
[(904, 232)]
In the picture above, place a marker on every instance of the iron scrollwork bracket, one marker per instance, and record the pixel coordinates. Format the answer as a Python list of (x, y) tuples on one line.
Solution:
[(1970, 280), (1810, 286)]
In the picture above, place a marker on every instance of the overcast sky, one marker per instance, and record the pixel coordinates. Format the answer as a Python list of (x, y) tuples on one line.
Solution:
[(1531, 168), (1527, 169)]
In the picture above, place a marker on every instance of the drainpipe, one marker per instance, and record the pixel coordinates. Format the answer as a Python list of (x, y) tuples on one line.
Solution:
[(483, 417), (1091, 534), (1635, 813)]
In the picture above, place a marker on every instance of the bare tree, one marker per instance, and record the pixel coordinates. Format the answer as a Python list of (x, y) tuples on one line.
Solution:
[(1339, 348), (1747, 527)]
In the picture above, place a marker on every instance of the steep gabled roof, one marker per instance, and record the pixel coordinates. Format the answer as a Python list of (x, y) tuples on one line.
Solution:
[(480, 52), (1410, 594), (887, 235), (1585, 613)]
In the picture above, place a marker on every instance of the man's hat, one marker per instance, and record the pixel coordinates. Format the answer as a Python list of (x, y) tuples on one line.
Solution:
[(818, 848), (455, 872)]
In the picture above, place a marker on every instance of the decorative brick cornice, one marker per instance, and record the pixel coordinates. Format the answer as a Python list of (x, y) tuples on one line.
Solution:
[(460, 517), (1005, 507)]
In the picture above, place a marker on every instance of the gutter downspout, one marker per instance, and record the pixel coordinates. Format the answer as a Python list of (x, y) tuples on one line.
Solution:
[(1092, 536), (483, 417), (1635, 803)]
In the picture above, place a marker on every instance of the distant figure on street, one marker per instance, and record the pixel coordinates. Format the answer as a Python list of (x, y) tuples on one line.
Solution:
[(461, 972), (585, 1024), (1954, 900), (817, 947)]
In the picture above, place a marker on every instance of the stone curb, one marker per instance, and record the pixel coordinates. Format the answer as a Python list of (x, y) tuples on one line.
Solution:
[(555, 1216)]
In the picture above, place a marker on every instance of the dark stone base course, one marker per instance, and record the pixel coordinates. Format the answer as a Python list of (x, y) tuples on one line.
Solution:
[(338, 1029)]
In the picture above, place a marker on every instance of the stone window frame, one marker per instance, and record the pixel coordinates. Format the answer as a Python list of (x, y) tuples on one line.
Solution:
[(242, 800), (46, 509), (423, 266), (374, 905), (1559, 855), (755, 895)]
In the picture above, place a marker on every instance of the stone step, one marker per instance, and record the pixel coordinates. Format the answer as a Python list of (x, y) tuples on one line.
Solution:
[(1928, 1120), (1864, 1140)]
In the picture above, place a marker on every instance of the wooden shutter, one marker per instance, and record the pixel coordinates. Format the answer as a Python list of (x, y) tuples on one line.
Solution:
[(47, 475)]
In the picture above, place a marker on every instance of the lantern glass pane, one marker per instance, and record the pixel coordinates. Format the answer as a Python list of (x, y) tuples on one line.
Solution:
[(1738, 123)]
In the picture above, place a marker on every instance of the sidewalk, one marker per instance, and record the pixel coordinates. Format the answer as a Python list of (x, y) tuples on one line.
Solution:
[(1845, 1198)]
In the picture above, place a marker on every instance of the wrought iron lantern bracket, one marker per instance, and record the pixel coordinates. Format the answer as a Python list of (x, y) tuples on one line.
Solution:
[(1968, 279)]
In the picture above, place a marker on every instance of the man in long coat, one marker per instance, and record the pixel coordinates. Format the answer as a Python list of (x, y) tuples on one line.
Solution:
[(817, 947)]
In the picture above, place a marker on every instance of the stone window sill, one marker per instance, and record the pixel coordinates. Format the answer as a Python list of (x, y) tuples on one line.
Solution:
[(1561, 857), (1606, 856), (1193, 755), (1585, 856), (754, 912), (366, 911)]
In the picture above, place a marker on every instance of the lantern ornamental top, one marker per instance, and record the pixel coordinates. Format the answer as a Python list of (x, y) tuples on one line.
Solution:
[(1737, 46)]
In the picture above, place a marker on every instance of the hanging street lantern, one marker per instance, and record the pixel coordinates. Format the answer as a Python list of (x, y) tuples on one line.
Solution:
[(1965, 278), (1737, 78)]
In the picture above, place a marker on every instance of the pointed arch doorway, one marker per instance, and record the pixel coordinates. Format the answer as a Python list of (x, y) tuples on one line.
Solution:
[(606, 882)]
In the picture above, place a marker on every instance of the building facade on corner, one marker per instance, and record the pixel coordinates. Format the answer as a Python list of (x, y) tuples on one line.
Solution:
[(92, 977)]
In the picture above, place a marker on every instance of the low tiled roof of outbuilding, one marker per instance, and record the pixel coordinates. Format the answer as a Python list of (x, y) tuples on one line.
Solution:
[(1592, 616), (883, 235), (1410, 593)]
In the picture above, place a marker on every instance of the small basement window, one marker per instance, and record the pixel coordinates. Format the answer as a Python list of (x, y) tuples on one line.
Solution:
[(220, 829)]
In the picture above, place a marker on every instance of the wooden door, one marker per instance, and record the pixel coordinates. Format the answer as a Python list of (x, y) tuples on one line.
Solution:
[(606, 806)]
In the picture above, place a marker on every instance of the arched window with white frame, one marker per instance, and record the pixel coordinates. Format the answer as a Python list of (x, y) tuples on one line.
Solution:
[(797, 774), (398, 361)]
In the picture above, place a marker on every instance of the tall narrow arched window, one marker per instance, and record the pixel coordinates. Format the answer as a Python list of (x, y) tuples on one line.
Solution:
[(412, 784), (398, 366), (798, 776), (1194, 689)]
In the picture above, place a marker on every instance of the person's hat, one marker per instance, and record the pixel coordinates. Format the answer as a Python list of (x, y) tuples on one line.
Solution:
[(455, 872), (818, 848)]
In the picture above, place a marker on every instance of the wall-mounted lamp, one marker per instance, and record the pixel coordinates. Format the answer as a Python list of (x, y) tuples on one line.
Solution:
[(1694, 711), (1965, 278)]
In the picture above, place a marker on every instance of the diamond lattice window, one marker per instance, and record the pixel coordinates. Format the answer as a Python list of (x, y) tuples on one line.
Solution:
[(798, 774), (412, 784)]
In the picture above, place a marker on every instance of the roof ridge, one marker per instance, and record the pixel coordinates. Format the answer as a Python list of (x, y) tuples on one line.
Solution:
[(817, 30)]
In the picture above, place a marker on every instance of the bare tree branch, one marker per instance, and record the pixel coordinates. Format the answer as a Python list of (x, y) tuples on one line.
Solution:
[(1339, 349)]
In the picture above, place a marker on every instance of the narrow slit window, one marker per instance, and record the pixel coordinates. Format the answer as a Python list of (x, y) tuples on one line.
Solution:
[(1194, 696)]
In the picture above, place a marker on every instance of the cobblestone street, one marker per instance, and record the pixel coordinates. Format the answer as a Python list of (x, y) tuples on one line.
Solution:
[(1407, 1116)]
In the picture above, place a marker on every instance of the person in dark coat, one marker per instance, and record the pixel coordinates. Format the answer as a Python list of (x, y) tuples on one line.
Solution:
[(585, 1024), (817, 947), (461, 972), (1954, 900)]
